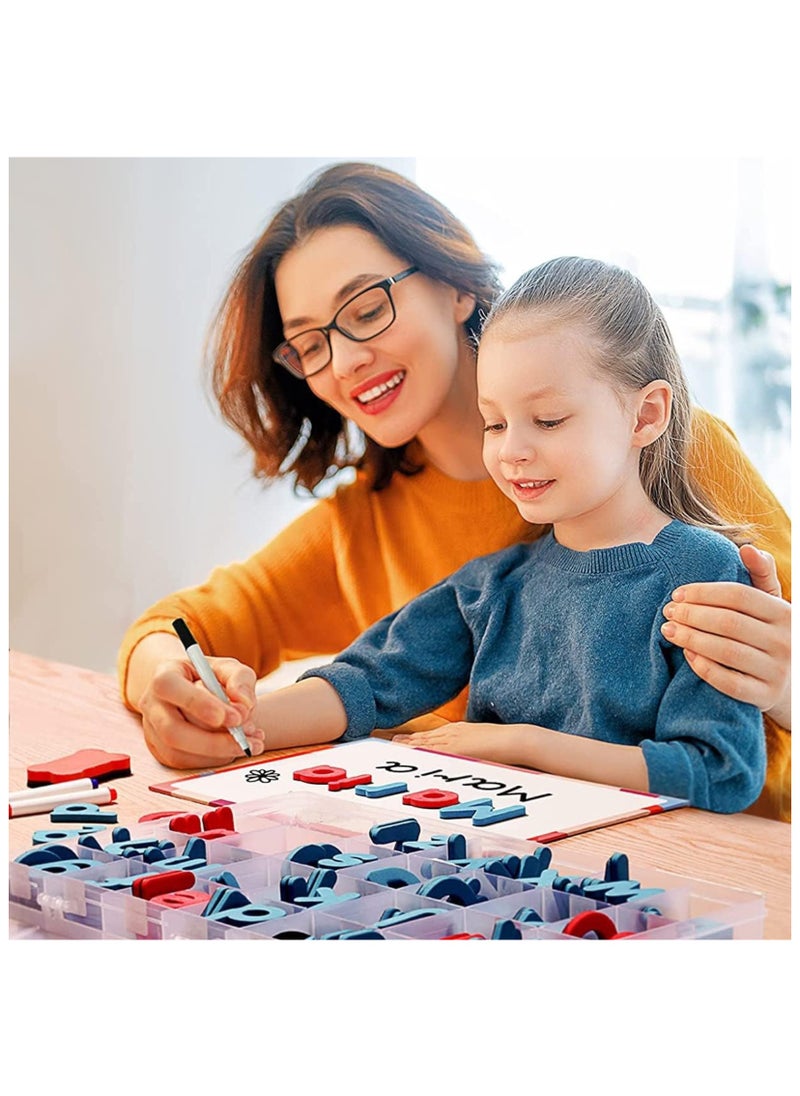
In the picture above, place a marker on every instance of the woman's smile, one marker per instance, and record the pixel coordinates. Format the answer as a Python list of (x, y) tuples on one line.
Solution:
[(379, 392)]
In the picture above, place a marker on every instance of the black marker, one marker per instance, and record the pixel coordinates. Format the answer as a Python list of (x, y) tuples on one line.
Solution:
[(208, 677)]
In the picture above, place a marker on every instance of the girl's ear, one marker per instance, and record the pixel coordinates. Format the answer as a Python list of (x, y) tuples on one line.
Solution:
[(653, 410), (465, 305)]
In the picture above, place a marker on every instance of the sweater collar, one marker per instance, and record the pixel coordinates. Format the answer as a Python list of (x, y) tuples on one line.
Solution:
[(600, 561)]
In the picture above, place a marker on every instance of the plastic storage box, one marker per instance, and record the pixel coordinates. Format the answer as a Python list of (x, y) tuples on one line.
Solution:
[(301, 867)]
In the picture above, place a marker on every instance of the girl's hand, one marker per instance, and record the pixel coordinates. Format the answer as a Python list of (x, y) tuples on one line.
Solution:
[(534, 747), (486, 741), (185, 726), (736, 637)]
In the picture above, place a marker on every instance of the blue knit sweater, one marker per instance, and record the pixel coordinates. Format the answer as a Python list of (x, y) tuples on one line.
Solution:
[(571, 641)]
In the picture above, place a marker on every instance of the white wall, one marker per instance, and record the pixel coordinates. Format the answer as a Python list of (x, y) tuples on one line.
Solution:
[(124, 483)]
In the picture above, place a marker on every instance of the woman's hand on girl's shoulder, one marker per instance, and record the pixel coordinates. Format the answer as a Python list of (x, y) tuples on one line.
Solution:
[(737, 637), (185, 726)]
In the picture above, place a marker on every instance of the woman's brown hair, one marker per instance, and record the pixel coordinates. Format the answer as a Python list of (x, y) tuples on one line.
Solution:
[(290, 430)]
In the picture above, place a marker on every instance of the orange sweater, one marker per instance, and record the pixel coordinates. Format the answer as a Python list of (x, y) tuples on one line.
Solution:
[(360, 554)]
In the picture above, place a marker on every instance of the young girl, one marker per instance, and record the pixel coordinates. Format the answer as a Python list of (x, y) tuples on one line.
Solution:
[(586, 418), (396, 400)]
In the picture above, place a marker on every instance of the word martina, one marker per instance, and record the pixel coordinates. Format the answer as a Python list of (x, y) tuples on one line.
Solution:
[(466, 780)]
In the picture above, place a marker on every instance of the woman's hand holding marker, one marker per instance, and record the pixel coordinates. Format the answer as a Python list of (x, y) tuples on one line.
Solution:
[(183, 721)]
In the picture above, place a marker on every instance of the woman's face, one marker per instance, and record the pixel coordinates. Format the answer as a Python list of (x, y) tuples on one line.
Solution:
[(399, 382)]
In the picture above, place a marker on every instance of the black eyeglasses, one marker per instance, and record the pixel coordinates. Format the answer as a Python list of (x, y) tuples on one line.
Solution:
[(369, 313)]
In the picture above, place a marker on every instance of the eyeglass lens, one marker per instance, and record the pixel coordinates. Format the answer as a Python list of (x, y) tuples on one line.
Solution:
[(365, 316)]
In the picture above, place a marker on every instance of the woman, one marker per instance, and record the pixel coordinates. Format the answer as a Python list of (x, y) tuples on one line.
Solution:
[(346, 339)]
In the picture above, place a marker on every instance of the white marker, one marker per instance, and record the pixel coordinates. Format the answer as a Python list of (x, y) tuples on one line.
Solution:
[(208, 677), (85, 784), (43, 804)]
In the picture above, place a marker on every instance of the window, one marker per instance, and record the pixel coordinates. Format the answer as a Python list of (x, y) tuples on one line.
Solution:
[(710, 238)]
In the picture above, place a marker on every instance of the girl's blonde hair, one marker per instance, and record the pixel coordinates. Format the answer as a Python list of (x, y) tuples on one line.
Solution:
[(633, 346)]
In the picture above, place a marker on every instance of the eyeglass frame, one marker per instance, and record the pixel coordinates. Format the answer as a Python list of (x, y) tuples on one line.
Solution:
[(384, 283)]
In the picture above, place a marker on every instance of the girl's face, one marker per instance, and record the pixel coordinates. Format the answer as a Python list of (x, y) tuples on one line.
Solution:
[(558, 440), (399, 382)]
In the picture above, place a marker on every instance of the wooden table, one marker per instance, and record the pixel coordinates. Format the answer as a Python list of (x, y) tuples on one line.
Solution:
[(57, 709)]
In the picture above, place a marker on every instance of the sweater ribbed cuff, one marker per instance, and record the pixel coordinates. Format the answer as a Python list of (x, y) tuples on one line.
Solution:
[(354, 692), (669, 773)]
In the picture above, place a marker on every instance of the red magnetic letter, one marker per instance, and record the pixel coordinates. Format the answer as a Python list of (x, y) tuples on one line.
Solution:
[(319, 774), (431, 797)]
